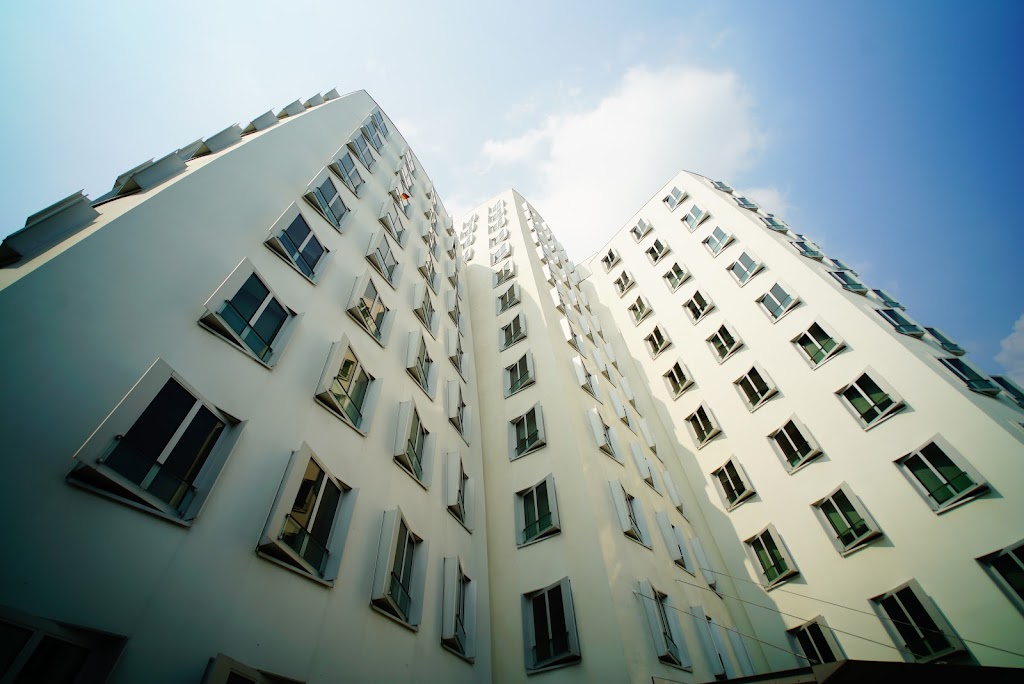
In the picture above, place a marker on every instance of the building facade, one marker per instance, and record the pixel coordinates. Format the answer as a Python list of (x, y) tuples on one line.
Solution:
[(311, 429)]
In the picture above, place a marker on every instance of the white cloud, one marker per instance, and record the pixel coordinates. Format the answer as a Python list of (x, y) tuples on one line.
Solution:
[(1011, 352), (592, 169)]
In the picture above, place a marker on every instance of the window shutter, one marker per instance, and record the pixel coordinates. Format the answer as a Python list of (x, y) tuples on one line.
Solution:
[(641, 462), (413, 352), (645, 430), (580, 370), (718, 639), (597, 428), (620, 410), (650, 601), (452, 478), (673, 493), (627, 390), (702, 560), (405, 411), (541, 436), (739, 648), (706, 642), (385, 556), (449, 596), (619, 501), (669, 535), (452, 343)]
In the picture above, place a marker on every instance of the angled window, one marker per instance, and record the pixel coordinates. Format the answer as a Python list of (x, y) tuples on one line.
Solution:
[(639, 310), (455, 308), (160, 450), (887, 299), (378, 120), (817, 641), (745, 268), (662, 619), (293, 241), (509, 298), (324, 197), (673, 493), (712, 642), (946, 342), (513, 332), (641, 229), (710, 576), (676, 276), (915, 624), (504, 274), (657, 251), (717, 241), (400, 570), (423, 307), (675, 542), (502, 252), (458, 609), (703, 426), (623, 283), (746, 203), (418, 363), (520, 374), (755, 387), (678, 379), (610, 259), (458, 411), (695, 217), (846, 279), (775, 223), (550, 638), (345, 388), (390, 217), (526, 432), (361, 148), (456, 354), (629, 514), (309, 521), (1006, 567), (401, 191), (846, 521), (584, 377), (674, 198), (41, 650), (373, 135), (818, 344), (698, 306), (971, 376), (382, 258), (732, 484), (794, 444), (657, 341), (870, 401), (808, 249), (224, 670), (777, 302), (427, 268), (604, 436), (458, 489), (347, 170), (368, 309), (721, 185), (724, 343), (536, 512), (772, 562), (246, 313), (1012, 389), (414, 445), (941, 475)]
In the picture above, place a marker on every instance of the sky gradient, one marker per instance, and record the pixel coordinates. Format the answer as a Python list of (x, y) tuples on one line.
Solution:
[(888, 132)]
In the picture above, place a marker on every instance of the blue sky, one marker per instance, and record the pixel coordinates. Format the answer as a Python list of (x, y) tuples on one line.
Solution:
[(886, 131)]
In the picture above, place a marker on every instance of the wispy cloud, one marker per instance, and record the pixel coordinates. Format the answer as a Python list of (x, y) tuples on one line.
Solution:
[(592, 169), (1011, 352)]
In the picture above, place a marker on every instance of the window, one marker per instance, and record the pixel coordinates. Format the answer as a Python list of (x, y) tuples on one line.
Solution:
[(307, 526), (604, 436), (819, 344), (378, 121), (40, 650), (401, 191), (623, 283), (252, 318), (794, 444), (368, 310), (941, 475), (324, 197), (293, 241), (1007, 569), (678, 379), (640, 310), (373, 135), (732, 484), (513, 332), (673, 493), (724, 343), (1011, 388), (526, 433), (458, 491), (424, 307), (504, 274), (391, 219), (414, 445), (520, 374), (712, 641), (946, 342), (536, 512), (703, 426), (695, 217), (675, 277), (674, 198), (160, 449), (427, 268), (818, 642), (346, 168), (717, 241), (774, 223), (458, 412), (870, 403), (641, 229), (629, 513), (710, 576), (399, 571), (359, 145), (746, 203), (345, 388), (645, 467), (657, 341), (771, 560), (419, 364), (698, 306), (745, 268), (610, 259), (663, 621), (846, 521), (455, 308), (675, 542), (583, 376), (777, 302), (971, 376), (502, 252), (848, 282), (458, 609), (549, 628), (755, 387), (225, 670), (657, 251), (887, 299), (508, 298), (721, 185), (915, 623), (808, 249), (382, 258)]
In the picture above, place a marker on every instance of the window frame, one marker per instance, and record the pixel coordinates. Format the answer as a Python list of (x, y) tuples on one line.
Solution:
[(931, 612), (504, 274), (509, 298), (328, 400), (572, 654), (610, 259), (459, 490), (458, 609), (506, 341), (735, 347), (655, 350), (641, 230), (739, 485), (630, 514), (669, 275), (540, 436), (276, 242), (848, 282), (666, 632), (675, 197), (721, 243), (712, 430), (1016, 554), (381, 599), (458, 411), (896, 406), (604, 436), (838, 344), (871, 532), (409, 417), (357, 304), (420, 366), (676, 389), (675, 542), (554, 526), (971, 376), (374, 251), (790, 571), (827, 635), (527, 376), (782, 309), (805, 434), (344, 175), (322, 204), (749, 271), (640, 309), (979, 486), (771, 389), (900, 322), (695, 311), (657, 251)]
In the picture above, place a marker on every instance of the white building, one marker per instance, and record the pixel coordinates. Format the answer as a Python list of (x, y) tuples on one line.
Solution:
[(271, 415)]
